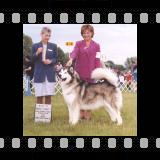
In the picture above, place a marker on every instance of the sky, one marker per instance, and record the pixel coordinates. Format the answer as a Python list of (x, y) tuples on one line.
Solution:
[(117, 41)]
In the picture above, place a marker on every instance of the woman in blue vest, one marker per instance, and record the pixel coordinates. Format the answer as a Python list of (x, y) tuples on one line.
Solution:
[(44, 58)]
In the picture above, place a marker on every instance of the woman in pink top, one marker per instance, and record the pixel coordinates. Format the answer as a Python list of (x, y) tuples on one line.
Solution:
[(86, 54)]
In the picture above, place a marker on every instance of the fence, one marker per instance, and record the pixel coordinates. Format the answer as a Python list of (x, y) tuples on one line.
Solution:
[(124, 87)]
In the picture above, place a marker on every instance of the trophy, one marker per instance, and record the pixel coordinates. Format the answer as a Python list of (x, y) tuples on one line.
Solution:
[(44, 52)]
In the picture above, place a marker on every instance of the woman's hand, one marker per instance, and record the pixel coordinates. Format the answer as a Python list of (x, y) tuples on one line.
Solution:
[(47, 61), (28, 69), (39, 50), (69, 63)]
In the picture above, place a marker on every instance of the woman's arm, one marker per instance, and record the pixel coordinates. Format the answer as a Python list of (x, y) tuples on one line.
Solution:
[(75, 51), (36, 52), (73, 54), (28, 69), (54, 58)]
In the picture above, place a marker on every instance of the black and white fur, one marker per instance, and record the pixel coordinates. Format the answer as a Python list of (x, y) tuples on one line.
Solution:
[(79, 94)]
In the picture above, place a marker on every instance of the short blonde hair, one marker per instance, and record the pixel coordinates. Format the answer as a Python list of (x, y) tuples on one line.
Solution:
[(87, 27), (45, 29)]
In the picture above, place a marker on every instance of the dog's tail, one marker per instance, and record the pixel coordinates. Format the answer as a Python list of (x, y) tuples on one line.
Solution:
[(105, 73)]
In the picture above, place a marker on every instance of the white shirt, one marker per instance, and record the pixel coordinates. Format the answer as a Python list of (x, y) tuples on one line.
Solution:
[(44, 52)]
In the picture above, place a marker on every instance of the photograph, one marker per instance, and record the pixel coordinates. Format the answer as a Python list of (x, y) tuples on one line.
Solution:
[(79, 79)]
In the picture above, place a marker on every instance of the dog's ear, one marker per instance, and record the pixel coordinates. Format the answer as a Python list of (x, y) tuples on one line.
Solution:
[(71, 69)]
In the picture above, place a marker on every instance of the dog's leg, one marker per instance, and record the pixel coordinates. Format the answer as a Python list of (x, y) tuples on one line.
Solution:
[(119, 118), (70, 114), (111, 112), (118, 115), (115, 116), (114, 107), (117, 105), (70, 110), (75, 113)]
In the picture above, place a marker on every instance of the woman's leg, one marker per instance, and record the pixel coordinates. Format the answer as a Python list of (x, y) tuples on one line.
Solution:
[(47, 99), (40, 100), (82, 116), (87, 114)]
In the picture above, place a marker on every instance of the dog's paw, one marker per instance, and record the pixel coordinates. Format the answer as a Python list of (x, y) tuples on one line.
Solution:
[(73, 123), (113, 119), (119, 121)]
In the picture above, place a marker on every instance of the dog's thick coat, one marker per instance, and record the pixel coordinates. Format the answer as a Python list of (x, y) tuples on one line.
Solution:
[(79, 94)]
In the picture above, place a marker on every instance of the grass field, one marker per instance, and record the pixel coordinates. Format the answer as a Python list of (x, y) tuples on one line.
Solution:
[(99, 125)]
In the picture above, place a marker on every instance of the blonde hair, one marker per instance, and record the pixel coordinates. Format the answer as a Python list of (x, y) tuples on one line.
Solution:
[(87, 27), (45, 29)]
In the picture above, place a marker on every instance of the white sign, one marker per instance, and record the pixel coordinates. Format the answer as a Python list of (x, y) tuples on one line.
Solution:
[(103, 57), (43, 113), (98, 55)]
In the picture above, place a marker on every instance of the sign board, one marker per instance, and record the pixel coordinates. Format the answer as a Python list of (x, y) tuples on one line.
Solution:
[(43, 113), (69, 43), (103, 57)]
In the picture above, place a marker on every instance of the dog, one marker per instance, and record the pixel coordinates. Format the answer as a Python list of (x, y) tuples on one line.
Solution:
[(79, 94)]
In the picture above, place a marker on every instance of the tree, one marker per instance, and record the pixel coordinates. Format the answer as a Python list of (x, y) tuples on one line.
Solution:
[(27, 45), (62, 57), (129, 62), (110, 64), (66, 57), (120, 67)]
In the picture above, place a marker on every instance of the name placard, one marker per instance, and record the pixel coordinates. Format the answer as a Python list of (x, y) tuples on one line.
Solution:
[(43, 113)]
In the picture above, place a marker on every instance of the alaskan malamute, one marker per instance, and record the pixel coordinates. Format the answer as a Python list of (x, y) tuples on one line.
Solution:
[(79, 94)]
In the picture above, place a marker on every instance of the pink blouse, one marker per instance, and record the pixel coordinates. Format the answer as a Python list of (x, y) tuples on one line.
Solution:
[(85, 59)]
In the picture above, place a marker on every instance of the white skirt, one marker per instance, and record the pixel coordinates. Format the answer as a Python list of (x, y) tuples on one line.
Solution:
[(45, 88)]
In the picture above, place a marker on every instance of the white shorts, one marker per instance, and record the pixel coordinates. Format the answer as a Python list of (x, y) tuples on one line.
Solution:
[(45, 88)]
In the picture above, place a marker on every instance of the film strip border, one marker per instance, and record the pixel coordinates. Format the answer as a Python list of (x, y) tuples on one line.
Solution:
[(79, 143), (90, 15)]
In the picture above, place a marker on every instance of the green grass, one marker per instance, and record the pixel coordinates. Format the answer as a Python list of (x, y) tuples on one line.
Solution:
[(99, 125)]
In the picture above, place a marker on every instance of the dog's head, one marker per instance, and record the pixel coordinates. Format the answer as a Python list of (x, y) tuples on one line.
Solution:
[(66, 74)]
